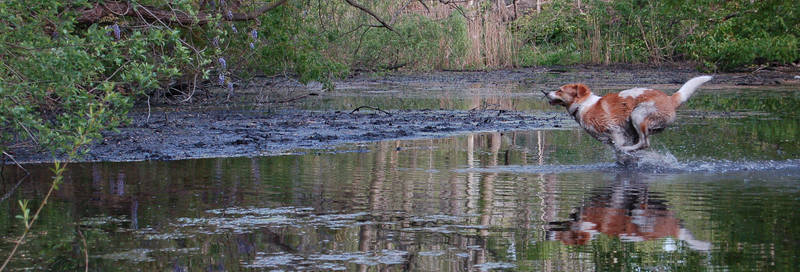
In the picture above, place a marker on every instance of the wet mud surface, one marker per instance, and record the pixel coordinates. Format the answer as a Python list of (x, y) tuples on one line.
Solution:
[(185, 135), (177, 132)]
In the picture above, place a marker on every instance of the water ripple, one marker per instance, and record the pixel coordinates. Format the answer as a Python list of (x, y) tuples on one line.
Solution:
[(712, 166)]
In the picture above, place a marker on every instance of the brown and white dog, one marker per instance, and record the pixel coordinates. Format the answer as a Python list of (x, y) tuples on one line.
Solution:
[(625, 119)]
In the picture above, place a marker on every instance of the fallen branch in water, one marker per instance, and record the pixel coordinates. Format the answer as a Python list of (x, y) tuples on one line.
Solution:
[(294, 98), (27, 174), (372, 108)]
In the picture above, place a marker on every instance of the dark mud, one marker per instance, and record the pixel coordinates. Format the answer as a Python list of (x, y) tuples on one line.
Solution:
[(210, 130), (184, 135)]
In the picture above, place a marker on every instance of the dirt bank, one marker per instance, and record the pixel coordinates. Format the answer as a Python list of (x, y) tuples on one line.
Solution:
[(178, 132), (184, 135)]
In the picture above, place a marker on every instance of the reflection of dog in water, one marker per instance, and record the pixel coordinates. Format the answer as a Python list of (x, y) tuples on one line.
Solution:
[(625, 119), (627, 210)]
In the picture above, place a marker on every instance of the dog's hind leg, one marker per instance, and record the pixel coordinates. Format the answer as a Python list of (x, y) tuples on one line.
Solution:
[(639, 121), (620, 139)]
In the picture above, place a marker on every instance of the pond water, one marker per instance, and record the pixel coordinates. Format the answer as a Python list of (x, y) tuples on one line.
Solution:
[(719, 190)]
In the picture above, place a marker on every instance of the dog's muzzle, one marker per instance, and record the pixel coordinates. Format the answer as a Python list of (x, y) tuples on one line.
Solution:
[(549, 100)]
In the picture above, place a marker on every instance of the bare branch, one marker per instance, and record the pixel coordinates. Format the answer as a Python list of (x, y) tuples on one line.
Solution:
[(397, 13), (172, 16), (366, 10), (259, 11), (424, 5)]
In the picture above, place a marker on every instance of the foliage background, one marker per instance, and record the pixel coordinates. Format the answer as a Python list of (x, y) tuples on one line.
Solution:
[(718, 35), (61, 77)]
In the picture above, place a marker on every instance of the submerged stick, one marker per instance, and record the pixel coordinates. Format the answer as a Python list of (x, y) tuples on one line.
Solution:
[(294, 98), (27, 174)]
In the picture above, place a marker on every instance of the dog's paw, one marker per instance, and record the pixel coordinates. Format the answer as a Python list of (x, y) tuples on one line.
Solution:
[(627, 149)]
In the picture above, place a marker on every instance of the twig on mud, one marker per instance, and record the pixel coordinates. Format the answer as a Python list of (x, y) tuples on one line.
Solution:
[(487, 106), (760, 67), (148, 110), (372, 108), (194, 87)]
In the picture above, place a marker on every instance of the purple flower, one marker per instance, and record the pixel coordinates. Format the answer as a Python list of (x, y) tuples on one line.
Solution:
[(221, 2), (221, 79), (223, 63), (115, 28), (213, 4), (230, 86), (254, 34), (215, 42), (252, 46), (233, 27), (229, 15)]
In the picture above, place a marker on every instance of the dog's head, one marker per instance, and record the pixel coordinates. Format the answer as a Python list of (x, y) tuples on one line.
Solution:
[(567, 94)]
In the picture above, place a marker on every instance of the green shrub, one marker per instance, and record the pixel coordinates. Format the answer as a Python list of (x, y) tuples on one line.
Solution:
[(722, 35), (59, 84), (419, 43), (742, 34), (287, 42), (548, 55)]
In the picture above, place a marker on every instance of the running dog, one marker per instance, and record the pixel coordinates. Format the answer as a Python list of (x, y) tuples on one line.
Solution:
[(625, 119)]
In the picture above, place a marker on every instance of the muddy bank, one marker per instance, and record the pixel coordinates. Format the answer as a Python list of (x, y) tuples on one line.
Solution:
[(185, 135), (209, 128)]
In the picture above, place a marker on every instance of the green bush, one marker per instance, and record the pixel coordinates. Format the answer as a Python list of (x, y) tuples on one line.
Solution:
[(419, 43), (59, 84), (548, 55), (291, 43), (721, 35), (741, 34)]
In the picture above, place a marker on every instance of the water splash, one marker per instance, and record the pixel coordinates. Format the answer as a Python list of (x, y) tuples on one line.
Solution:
[(648, 159)]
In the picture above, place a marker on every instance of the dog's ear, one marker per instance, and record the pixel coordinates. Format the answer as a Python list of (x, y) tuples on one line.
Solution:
[(582, 90)]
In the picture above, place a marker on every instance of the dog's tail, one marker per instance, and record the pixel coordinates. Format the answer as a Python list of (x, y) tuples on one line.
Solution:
[(688, 89)]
